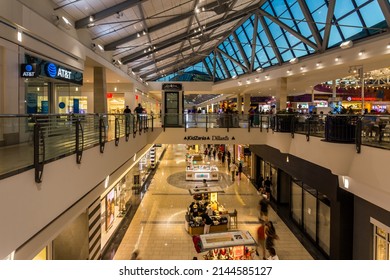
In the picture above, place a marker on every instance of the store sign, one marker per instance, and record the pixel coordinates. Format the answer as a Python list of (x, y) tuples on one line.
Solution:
[(28, 70), (171, 87), (39, 67), (57, 72), (208, 138)]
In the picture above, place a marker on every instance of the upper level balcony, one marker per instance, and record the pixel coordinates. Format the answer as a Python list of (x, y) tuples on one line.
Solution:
[(30, 141)]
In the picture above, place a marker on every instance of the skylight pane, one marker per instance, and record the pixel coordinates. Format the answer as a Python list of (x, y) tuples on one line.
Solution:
[(334, 38), (350, 25), (369, 10), (318, 12), (287, 55), (342, 8)]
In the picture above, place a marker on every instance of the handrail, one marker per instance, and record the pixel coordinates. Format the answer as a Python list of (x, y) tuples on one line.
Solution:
[(58, 135)]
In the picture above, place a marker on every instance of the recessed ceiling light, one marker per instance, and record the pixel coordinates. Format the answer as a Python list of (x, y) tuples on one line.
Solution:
[(318, 63), (361, 53), (337, 59), (346, 44)]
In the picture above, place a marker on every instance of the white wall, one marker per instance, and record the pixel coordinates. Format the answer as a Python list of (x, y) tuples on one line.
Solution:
[(26, 207)]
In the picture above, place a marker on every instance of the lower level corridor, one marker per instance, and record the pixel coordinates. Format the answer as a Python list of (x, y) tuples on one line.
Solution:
[(158, 231)]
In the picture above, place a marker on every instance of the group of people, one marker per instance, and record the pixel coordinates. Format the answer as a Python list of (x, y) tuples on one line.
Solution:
[(138, 111)]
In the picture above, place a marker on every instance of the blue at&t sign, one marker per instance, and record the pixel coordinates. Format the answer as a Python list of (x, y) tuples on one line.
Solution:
[(56, 72), (51, 70)]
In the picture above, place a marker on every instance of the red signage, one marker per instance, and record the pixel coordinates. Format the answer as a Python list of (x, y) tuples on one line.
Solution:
[(109, 95)]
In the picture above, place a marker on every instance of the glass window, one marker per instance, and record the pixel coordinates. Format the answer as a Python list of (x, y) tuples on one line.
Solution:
[(37, 97), (296, 203), (274, 180), (218, 69), (324, 226), (381, 241), (319, 16), (334, 37), (310, 214), (343, 7), (380, 250), (350, 25), (372, 9)]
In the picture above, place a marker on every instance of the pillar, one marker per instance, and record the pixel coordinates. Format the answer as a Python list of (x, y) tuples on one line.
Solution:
[(99, 90), (247, 103), (334, 89), (281, 94), (239, 107)]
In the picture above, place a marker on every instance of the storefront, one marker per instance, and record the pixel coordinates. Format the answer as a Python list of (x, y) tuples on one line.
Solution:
[(309, 197), (51, 88), (118, 199)]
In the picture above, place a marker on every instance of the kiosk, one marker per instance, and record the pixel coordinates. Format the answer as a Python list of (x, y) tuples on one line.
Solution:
[(206, 197), (197, 170), (232, 245)]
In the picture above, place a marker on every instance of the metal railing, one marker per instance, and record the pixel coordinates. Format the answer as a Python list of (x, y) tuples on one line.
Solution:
[(30, 141)]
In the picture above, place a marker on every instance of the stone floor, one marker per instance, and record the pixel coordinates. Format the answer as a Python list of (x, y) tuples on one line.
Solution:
[(157, 229)]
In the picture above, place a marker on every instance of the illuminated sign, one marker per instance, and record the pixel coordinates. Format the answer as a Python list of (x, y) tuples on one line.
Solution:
[(212, 138), (38, 67), (57, 72), (28, 70)]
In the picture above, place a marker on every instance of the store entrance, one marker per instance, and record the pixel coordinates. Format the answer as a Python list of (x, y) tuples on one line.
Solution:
[(68, 99), (116, 103), (37, 96)]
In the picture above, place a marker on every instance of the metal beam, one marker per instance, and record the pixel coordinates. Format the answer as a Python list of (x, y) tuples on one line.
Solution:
[(233, 60), (174, 63), (169, 55), (207, 68), (255, 31), (328, 25), (271, 39), (184, 36), (289, 29), (113, 45), (82, 23), (242, 52), (227, 72), (311, 23), (385, 7)]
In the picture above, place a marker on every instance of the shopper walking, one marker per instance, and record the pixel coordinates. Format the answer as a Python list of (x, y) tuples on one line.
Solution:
[(261, 240), (239, 170), (233, 169)]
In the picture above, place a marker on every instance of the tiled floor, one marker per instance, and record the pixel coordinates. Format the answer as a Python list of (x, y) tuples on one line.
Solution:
[(157, 228)]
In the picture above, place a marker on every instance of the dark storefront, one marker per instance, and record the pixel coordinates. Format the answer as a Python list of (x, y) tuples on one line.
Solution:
[(308, 197)]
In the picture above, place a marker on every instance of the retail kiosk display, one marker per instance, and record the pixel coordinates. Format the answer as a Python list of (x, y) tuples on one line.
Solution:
[(206, 197), (197, 169), (231, 245)]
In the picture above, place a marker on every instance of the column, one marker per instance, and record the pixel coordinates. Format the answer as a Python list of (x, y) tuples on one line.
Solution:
[(334, 89), (239, 109), (281, 94), (99, 90), (247, 103)]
